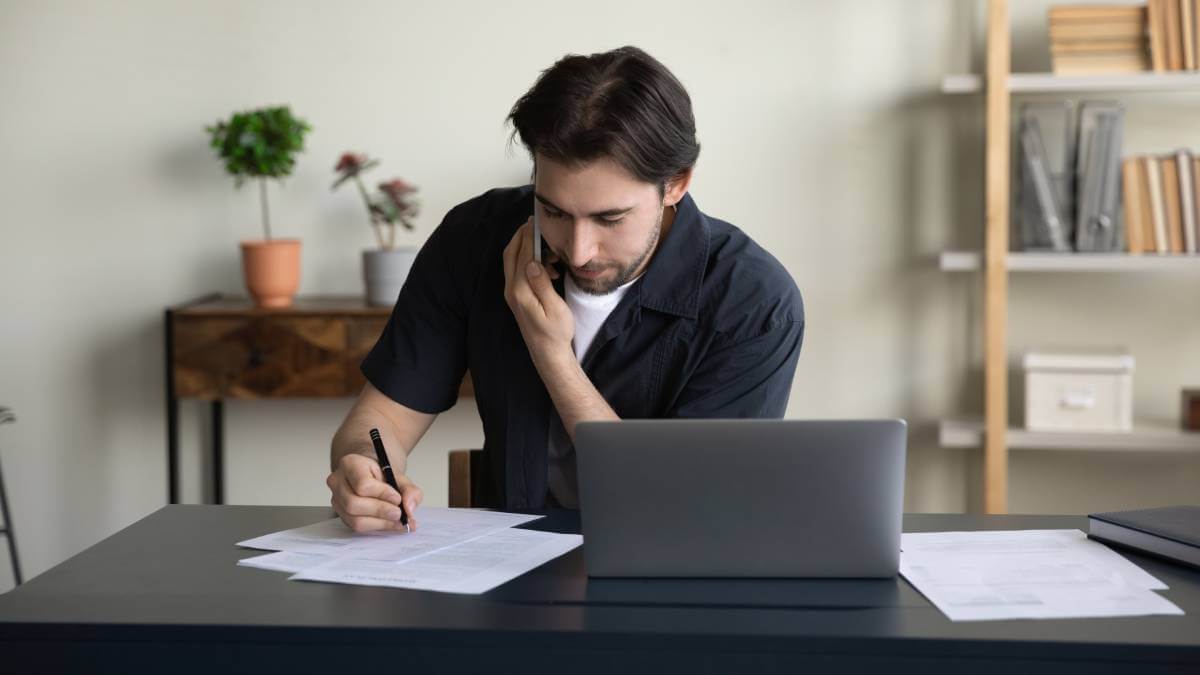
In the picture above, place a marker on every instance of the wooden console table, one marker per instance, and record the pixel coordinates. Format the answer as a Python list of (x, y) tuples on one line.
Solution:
[(220, 347)]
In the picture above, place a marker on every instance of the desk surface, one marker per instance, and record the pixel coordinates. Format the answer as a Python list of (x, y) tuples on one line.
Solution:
[(169, 585)]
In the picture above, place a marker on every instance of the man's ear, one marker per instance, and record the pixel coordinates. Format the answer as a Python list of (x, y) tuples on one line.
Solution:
[(677, 187)]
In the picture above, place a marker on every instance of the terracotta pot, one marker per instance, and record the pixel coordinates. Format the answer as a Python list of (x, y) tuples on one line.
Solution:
[(272, 270)]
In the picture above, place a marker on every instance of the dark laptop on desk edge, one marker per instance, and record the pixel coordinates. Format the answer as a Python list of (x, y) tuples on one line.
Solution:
[(741, 498)]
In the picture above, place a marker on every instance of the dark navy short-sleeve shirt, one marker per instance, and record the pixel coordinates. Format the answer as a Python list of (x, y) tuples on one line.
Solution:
[(713, 328)]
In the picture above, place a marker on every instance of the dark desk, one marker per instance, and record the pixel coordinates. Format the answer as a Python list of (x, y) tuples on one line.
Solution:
[(164, 595)]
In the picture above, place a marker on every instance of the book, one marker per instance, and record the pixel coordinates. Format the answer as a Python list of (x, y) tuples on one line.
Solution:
[(1096, 63), (1196, 193), (1085, 30), (1069, 13), (1188, 29), (1171, 532), (1187, 199), (1157, 204), (1131, 184), (1156, 27), (1170, 190), (1099, 47), (1196, 29), (1148, 236), (1174, 36)]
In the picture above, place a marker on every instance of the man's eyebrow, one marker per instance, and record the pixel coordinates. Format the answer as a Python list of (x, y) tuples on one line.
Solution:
[(609, 213)]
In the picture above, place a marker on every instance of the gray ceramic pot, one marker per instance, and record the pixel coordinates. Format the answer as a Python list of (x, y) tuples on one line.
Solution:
[(384, 273)]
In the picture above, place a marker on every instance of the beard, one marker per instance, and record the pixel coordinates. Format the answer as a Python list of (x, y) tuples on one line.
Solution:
[(625, 273)]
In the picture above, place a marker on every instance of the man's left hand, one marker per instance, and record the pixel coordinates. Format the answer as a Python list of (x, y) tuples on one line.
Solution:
[(544, 318)]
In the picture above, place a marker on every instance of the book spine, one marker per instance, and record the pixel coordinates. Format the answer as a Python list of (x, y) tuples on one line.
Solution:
[(1187, 200), (1170, 188), (1155, 26), (1188, 29), (1131, 184), (1174, 37), (1158, 210)]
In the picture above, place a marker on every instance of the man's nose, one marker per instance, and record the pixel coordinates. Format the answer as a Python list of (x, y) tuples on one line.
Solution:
[(582, 245)]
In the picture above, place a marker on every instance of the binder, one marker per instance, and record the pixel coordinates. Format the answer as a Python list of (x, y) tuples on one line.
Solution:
[(1046, 147), (1098, 167)]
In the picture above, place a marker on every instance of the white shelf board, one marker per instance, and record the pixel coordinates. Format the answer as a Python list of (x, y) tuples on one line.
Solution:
[(1146, 435), (1049, 83), (966, 261)]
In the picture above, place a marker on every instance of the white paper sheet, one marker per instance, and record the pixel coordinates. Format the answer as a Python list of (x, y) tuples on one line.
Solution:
[(474, 566), (1032, 574), (439, 528), (286, 561)]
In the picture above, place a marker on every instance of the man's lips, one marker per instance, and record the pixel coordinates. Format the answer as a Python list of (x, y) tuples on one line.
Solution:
[(587, 274)]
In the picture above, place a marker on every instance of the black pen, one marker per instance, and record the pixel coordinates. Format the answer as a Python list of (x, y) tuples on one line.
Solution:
[(390, 477)]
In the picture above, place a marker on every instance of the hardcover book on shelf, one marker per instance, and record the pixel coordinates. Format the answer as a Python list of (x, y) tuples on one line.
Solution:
[(1196, 195), (1174, 36), (1170, 188), (1188, 29), (1158, 207), (1149, 243), (1187, 199), (1171, 532), (1156, 28), (1131, 188)]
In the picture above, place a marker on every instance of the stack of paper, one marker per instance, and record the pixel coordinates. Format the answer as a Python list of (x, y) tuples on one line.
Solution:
[(455, 551), (1027, 574)]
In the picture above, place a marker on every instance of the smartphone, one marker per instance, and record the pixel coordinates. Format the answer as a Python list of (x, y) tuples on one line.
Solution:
[(537, 234)]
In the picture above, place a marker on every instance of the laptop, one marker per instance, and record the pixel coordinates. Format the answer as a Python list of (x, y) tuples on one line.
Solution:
[(741, 498)]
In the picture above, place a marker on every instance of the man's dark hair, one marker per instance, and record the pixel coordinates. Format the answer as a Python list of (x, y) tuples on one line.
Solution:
[(622, 104)]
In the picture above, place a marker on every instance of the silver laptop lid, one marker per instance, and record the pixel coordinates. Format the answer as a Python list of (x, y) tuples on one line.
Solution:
[(741, 498)]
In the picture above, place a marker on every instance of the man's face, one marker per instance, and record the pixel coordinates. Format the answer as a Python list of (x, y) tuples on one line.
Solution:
[(600, 221)]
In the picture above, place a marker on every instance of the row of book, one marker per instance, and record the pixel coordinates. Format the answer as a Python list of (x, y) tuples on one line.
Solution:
[(1090, 39), (1161, 206), (1173, 27), (1161, 35)]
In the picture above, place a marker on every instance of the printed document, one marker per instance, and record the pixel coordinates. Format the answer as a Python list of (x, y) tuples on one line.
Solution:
[(475, 566), (1027, 574), (454, 550), (439, 528)]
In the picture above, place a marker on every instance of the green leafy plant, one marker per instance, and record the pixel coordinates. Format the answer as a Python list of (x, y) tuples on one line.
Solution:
[(259, 144), (393, 205)]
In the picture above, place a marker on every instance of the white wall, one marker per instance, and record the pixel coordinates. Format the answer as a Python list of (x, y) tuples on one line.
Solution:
[(823, 136)]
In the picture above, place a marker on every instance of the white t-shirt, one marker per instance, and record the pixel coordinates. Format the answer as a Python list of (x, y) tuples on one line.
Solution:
[(590, 312)]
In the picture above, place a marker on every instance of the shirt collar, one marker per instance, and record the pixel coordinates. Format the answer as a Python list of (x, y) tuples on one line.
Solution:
[(672, 281)]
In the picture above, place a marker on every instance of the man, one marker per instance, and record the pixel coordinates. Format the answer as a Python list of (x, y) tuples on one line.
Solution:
[(643, 307)]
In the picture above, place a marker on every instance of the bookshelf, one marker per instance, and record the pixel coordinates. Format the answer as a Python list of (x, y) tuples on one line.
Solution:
[(970, 261), (996, 262), (1147, 436), (1049, 83)]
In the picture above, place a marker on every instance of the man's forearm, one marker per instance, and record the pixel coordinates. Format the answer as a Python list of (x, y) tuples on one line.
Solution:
[(399, 426), (575, 397), (354, 437)]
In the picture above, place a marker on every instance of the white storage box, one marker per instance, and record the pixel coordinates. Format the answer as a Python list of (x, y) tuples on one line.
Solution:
[(1085, 391)]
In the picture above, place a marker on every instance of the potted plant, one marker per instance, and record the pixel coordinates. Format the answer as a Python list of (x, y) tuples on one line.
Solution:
[(393, 205), (262, 144)]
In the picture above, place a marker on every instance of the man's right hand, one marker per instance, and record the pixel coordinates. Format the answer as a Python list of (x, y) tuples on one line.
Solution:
[(364, 501)]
